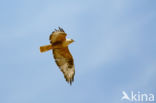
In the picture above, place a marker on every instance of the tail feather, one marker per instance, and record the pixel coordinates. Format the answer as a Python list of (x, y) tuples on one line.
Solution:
[(45, 48)]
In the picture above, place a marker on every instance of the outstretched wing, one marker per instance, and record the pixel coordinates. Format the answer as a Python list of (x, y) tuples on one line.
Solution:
[(65, 62), (57, 36)]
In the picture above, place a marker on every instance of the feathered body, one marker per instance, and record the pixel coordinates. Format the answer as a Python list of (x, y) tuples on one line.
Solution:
[(63, 58)]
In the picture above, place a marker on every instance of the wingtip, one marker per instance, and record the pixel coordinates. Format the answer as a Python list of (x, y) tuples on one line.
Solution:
[(70, 81), (61, 29)]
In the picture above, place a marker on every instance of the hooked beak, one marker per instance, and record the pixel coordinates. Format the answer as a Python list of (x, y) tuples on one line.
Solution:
[(72, 40)]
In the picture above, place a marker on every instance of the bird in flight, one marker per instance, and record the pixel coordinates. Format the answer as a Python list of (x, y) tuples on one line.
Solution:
[(63, 58)]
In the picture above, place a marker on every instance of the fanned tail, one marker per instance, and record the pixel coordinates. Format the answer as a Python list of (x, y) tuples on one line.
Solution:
[(45, 48)]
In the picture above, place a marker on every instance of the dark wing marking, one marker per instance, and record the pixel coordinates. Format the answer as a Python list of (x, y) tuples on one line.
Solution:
[(57, 35), (65, 62)]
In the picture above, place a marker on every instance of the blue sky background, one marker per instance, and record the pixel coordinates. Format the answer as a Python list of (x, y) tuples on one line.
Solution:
[(115, 50)]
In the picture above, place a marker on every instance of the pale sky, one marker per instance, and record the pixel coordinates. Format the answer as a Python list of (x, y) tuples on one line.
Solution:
[(115, 50)]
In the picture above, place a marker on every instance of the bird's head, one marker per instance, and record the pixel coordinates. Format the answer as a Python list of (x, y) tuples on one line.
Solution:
[(69, 41)]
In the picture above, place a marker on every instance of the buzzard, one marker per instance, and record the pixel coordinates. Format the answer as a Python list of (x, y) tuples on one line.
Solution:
[(63, 58)]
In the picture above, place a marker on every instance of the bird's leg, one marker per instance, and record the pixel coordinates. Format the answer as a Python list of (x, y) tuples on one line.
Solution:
[(45, 48)]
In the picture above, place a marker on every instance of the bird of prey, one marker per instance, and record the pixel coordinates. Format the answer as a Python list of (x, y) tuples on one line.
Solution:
[(63, 58)]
